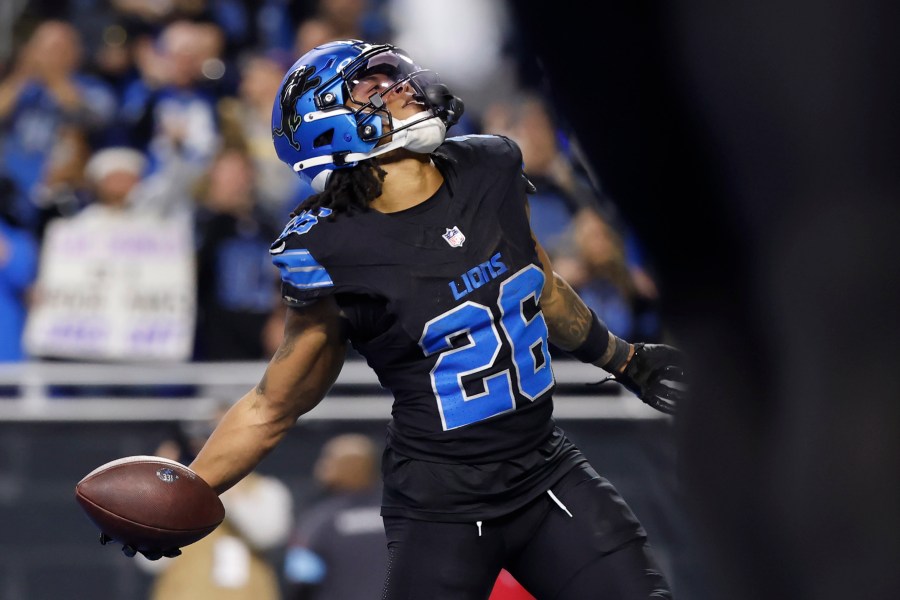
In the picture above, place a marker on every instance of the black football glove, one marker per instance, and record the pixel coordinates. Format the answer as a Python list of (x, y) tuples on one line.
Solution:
[(656, 375), (130, 551)]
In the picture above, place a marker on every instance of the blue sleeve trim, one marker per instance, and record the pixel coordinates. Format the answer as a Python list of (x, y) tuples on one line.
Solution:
[(471, 136), (299, 269)]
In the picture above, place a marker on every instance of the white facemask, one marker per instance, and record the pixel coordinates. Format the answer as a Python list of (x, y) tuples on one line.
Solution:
[(423, 137)]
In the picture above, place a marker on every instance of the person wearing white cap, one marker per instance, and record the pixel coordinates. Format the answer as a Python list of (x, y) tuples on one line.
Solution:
[(114, 173)]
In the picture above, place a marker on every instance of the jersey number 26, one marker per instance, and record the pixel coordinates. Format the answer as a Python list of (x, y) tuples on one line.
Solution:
[(527, 338)]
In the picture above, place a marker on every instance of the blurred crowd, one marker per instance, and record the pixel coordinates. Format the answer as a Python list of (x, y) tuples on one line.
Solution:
[(148, 109)]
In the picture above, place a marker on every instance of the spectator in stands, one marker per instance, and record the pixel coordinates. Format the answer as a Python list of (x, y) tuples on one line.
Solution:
[(118, 278), (577, 225), (235, 561), (341, 20), (247, 121), (156, 12), (108, 37), (216, 77), (18, 267), (237, 284), (169, 112), (339, 550), (115, 178), (597, 264), (113, 175), (561, 187), (312, 32), (63, 190), (43, 92)]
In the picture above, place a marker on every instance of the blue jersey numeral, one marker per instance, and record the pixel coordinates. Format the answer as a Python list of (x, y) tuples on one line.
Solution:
[(527, 338), (474, 321)]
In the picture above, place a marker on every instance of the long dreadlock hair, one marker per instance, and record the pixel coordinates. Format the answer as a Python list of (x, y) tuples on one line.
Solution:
[(348, 190), (353, 189)]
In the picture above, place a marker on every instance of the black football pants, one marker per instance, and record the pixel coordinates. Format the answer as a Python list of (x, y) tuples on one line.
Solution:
[(599, 552)]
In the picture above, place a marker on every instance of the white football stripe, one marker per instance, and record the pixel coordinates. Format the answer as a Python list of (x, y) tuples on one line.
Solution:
[(135, 459)]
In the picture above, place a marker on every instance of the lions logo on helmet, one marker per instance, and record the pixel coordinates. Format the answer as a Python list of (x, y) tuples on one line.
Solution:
[(318, 126), (298, 83)]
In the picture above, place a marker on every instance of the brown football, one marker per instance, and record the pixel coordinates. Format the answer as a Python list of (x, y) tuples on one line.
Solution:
[(149, 502)]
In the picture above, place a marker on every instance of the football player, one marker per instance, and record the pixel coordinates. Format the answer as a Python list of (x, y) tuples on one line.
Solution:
[(417, 250)]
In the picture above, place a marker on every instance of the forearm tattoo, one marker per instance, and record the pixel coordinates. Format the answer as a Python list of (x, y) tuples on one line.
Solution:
[(261, 386), (570, 319), (286, 348), (292, 329)]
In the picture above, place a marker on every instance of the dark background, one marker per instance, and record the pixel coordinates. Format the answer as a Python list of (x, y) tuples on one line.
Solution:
[(755, 147)]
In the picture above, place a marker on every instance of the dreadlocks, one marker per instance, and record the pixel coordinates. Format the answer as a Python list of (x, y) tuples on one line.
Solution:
[(348, 190), (353, 189)]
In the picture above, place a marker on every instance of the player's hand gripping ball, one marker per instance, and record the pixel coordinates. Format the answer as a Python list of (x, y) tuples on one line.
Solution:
[(656, 375), (149, 504)]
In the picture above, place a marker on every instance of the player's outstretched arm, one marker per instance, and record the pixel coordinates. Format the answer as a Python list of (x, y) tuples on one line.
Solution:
[(299, 375), (653, 372)]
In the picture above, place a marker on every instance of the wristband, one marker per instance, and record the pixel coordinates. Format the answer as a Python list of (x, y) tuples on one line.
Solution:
[(619, 357), (596, 343)]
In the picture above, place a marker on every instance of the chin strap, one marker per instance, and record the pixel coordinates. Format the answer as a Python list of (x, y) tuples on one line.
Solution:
[(402, 137), (318, 183), (340, 158)]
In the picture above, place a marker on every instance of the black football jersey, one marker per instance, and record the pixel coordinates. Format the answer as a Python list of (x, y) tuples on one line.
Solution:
[(443, 303)]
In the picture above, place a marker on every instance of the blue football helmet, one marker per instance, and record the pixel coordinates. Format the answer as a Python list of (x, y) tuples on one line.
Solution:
[(318, 125)]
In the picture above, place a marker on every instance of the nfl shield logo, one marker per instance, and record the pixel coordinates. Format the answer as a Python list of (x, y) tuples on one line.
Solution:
[(454, 237)]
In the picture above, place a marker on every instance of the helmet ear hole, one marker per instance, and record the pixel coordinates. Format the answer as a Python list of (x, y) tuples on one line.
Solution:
[(323, 139)]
